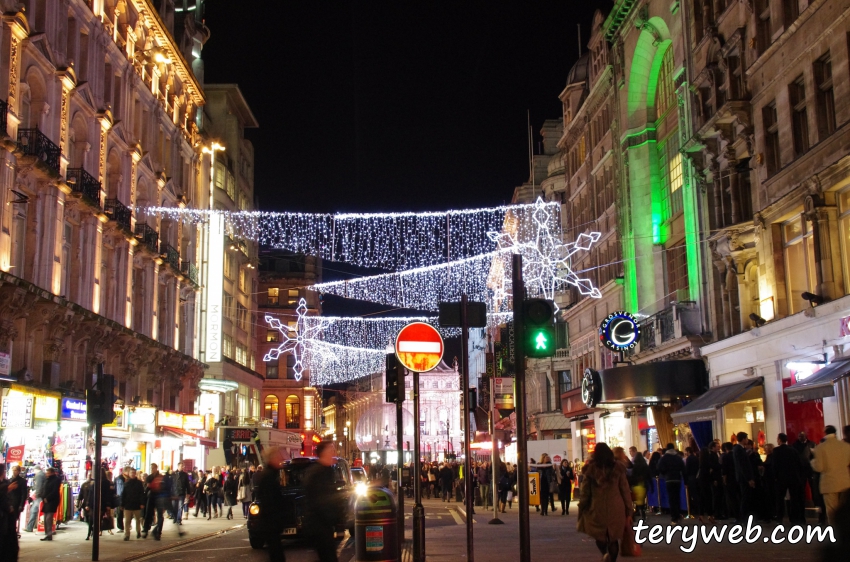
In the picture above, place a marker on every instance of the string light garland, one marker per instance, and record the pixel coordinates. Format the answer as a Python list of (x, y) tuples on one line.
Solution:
[(297, 341), (331, 363), (394, 241)]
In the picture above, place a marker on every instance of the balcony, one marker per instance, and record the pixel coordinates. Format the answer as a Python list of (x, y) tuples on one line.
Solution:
[(677, 320), (119, 213), (4, 111), (33, 142), (170, 255), (147, 236), (84, 184), (189, 270)]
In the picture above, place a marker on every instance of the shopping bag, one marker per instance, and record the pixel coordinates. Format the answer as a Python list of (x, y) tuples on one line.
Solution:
[(510, 496), (629, 546)]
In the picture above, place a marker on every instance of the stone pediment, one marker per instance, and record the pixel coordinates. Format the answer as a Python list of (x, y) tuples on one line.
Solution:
[(121, 134), (83, 90), (42, 45)]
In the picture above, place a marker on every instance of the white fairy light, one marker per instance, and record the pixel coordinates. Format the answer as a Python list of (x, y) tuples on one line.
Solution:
[(298, 345), (393, 241), (331, 363)]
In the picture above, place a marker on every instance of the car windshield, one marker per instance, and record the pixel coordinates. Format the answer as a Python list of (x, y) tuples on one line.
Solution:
[(293, 474), (358, 475)]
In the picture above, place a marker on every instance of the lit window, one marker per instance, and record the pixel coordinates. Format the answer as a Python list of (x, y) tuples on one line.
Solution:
[(274, 295), (294, 296), (799, 256), (272, 336)]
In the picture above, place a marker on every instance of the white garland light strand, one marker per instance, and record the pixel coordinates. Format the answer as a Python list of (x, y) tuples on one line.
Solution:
[(394, 241), (331, 363)]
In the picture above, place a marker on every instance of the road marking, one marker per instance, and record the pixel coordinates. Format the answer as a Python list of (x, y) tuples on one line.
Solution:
[(456, 516)]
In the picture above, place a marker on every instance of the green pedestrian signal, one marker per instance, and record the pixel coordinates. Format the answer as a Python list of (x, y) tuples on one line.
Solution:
[(539, 317)]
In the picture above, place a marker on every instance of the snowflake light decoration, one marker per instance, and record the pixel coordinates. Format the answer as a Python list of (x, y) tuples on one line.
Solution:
[(300, 344), (546, 259)]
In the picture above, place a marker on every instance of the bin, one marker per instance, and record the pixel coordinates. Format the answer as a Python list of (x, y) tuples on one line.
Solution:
[(376, 527)]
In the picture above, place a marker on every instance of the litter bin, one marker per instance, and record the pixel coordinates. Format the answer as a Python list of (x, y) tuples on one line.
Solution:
[(375, 526)]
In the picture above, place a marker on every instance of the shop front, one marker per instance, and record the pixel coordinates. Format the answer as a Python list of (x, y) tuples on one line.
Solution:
[(177, 441), (141, 437), (790, 375)]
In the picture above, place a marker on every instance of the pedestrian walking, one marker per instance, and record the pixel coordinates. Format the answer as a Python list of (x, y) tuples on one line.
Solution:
[(484, 484), (831, 460), (179, 493), (323, 505), (212, 488), (231, 490), (9, 503), (36, 499), (565, 486), (119, 489), (605, 503), (672, 468), (50, 502), (446, 480), (639, 482), (18, 492), (268, 492), (200, 494), (132, 503), (789, 480), (107, 500), (548, 483), (245, 493)]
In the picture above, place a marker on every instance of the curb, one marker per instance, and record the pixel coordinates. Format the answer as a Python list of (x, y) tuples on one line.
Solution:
[(178, 544)]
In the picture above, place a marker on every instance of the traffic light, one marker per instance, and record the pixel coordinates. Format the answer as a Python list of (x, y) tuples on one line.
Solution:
[(395, 380), (539, 317), (100, 401)]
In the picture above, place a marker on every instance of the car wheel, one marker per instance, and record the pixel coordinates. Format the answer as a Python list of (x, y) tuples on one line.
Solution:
[(256, 542)]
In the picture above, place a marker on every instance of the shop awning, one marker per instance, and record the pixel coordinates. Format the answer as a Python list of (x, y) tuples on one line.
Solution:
[(821, 384), (181, 433), (704, 407)]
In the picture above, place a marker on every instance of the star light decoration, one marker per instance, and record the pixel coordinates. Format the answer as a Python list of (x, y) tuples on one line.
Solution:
[(300, 345), (546, 259)]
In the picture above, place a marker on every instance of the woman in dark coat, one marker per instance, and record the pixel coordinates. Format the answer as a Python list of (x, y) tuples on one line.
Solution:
[(547, 481), (200, 496), (606, 501), (639, 482), (231, 489), (565, 486)]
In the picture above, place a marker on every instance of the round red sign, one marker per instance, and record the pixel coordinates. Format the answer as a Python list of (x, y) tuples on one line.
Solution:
[(419, 347)]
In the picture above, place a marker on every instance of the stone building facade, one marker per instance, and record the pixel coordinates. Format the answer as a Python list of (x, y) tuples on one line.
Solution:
[(99, 118)]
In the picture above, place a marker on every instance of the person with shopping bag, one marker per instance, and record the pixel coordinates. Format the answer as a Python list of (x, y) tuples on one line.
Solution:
[(605, 504)]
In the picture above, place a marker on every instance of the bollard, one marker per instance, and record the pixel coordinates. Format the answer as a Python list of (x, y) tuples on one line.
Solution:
[(376, 527)]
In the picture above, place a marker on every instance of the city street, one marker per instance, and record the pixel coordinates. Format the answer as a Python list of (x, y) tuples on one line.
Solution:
[(552, 538)]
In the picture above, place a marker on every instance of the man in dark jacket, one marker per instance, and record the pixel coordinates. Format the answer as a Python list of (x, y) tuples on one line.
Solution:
[(268, 495), (730, 483), (51, 502), (179, 493), (18, 494), (132, 502), (672, 468), (744, 475), (789, 478), (323, 503), (447, 478), (119, 488), (8, 512)]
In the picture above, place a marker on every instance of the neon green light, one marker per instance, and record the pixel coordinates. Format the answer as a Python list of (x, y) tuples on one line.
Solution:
[(541, 341)]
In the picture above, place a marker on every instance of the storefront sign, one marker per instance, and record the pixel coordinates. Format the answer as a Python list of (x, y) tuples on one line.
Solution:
[(590, 388), (5, 364), (169, 419), (239, 434), (46, 408), (619, 331), (215, 289), (120, 421), (503, 393), (73, 409), (192, 422), (142, 416), (17, 411), (533, 488), (15, 454)]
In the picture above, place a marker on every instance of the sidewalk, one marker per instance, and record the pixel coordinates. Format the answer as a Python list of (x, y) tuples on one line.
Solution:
[(69, 541)]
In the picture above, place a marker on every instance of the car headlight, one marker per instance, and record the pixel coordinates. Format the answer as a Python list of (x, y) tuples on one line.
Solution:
[(254, 509), (361, 488)]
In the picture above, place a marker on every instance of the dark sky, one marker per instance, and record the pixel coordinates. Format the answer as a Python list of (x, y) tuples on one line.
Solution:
[(393, 106)]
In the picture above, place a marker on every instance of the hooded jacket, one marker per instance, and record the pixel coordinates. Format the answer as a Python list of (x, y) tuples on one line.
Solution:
[(605, 502)]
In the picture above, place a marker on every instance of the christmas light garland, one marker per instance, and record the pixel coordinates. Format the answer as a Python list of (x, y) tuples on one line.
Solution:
[(394, 241)]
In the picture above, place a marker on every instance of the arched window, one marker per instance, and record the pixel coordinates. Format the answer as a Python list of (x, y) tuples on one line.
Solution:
[(293, 412), (270, 409), (665, 94)]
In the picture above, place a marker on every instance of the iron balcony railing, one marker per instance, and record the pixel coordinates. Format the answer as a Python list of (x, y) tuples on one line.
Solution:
[(190, 270), (147, 236), (33, 142), (120, 213), (4, 111), (667, 322), (647, 334), (84, 184), (170, 254)]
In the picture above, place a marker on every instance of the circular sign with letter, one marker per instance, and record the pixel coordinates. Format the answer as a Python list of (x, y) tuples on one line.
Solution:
[(619, 331), (590, 388), (419, 347)]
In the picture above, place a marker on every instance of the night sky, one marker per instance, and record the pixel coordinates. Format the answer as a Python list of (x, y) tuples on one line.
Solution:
[(393, 106)]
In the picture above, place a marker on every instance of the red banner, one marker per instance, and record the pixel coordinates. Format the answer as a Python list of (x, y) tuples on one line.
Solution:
[(15, 454)]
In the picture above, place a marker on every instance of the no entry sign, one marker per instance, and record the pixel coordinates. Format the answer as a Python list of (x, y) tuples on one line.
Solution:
[(419, 347)]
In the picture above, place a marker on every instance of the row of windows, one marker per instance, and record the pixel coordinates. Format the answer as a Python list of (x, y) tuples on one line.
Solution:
[(292, 411), (274, 297)]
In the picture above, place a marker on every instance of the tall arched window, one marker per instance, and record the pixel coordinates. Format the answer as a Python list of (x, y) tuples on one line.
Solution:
[(667, 127), (270, 409), (293, 412)]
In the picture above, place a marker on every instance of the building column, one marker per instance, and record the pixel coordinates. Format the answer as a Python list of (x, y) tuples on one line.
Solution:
[(824, 220), (10, 50)]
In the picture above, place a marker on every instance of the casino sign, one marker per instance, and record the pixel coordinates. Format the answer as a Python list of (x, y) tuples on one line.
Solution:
[(619, 331)]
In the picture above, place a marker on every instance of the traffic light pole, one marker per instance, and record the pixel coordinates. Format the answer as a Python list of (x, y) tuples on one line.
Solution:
[(94, 511), (418, 509), (518, 289), (399, 424), (467, 408)]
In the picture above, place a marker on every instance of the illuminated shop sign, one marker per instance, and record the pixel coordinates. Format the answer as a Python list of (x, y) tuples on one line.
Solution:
[(619, 331), (17, 411), (215, 288), (169, 419), (73, 409)]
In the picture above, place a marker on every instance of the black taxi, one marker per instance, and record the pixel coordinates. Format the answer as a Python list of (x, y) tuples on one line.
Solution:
[(293, 498)]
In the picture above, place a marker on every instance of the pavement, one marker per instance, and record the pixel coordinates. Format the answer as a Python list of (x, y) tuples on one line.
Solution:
[(552, 538)]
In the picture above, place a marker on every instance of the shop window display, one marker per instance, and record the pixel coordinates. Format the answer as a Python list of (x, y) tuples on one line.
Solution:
[(747, 415)]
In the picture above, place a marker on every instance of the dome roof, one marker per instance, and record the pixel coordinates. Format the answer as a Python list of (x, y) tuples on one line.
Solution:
[(578, 73)]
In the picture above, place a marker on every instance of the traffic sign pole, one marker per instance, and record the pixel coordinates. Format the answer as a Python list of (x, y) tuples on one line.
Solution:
[(519, 400), (418, 509), (467, 475)]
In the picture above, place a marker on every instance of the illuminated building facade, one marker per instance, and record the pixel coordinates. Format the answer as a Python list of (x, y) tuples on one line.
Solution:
[(98, 119)]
